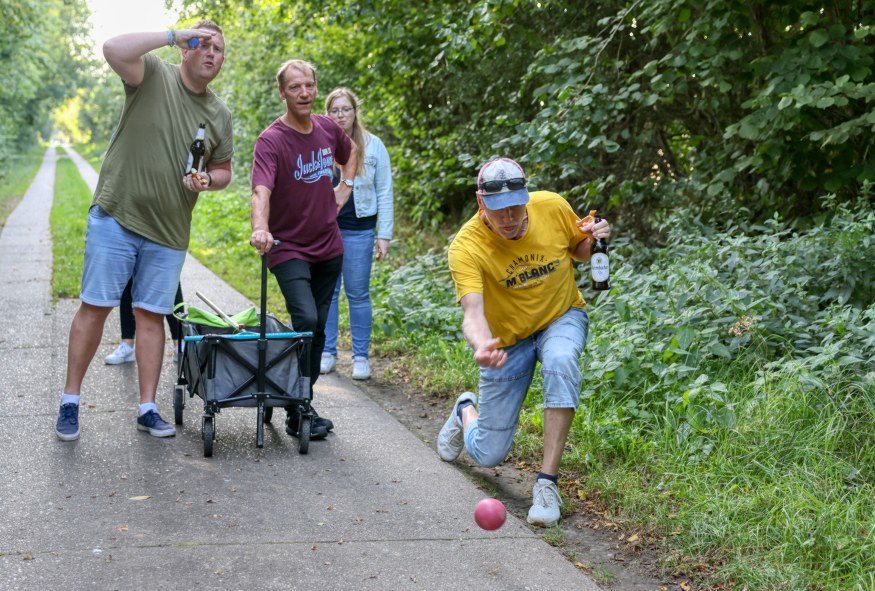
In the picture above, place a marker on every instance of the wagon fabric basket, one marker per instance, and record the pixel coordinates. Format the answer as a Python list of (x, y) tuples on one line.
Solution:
[(222, 365)]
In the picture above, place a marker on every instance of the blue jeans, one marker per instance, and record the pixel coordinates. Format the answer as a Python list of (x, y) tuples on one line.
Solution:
[(503, 390), (358, 256), (114, 255)]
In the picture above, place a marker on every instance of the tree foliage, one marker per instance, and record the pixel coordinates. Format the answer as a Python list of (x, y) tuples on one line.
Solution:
[(641, 106), (726, 108), (42, 45)]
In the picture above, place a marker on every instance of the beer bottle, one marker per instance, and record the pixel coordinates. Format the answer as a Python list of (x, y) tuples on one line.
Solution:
[(197, 150), (599, 263)]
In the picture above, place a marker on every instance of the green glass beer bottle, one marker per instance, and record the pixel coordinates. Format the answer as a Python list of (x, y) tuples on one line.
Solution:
[(599, 263)]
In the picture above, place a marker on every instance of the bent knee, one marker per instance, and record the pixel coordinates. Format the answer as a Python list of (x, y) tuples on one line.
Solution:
[(490, 460), (487, 455)]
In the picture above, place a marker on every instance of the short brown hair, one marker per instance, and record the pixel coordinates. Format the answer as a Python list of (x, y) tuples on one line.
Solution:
[(206, 23), (301, 65)]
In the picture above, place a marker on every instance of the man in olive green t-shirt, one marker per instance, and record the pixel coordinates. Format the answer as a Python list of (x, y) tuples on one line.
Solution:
[(140, 218)]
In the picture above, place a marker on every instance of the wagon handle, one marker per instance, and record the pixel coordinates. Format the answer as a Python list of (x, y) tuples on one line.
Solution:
[(264, 292)]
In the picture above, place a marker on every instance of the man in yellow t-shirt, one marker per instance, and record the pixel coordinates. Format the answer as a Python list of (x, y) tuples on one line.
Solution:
[(512, 266)]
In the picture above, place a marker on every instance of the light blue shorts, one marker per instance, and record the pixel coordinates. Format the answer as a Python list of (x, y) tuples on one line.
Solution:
[(113, 255), (503, 390)]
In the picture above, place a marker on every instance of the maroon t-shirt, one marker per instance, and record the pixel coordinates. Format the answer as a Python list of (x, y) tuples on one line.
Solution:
[(297, 168)]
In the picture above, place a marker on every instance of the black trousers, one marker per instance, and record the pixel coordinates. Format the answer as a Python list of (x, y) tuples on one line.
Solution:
[(129, 324), (307, 288)]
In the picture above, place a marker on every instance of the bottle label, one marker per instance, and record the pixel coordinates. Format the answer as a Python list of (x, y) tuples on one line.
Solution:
[(600, 267)]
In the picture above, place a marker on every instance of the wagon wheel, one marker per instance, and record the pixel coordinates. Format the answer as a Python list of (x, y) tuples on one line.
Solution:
[(268, 413), (304, 434), (209, 434), (178, 403)]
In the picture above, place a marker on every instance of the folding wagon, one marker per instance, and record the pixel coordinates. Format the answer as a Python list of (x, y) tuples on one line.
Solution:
[(230, 364)]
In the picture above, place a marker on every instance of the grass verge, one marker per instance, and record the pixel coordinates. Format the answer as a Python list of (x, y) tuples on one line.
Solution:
[(68, 221)]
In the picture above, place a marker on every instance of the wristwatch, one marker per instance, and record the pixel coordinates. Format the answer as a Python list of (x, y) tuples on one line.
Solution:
[(348, 182)]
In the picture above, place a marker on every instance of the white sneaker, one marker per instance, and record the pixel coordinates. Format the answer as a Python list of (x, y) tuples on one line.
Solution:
[(327, 364), (451, 439), (176, 356), (124, 353), (546, 503), (360, 368)]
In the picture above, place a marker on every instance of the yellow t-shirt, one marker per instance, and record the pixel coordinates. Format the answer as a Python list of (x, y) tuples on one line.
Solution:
[(526, 283)]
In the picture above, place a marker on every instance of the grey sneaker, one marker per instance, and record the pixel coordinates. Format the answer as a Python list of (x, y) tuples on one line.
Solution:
[(155, 425), (546, 503), (360, 368), (67, 425), (451, 439), (124, 353), (326, 365)]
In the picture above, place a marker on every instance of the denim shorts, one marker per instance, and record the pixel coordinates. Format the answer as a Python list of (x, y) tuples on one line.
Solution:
[(113, 255), (503, 390)]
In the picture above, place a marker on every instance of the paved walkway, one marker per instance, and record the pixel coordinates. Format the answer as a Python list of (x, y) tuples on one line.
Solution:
[(371, 507)]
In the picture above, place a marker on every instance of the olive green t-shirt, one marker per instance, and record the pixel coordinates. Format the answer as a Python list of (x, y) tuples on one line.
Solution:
[(140, 182)]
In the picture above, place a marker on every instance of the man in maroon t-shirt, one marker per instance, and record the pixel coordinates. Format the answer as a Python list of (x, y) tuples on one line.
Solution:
[(293, 201)]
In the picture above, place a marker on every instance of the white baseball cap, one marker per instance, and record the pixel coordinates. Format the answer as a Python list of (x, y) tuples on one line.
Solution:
[(502, 183)]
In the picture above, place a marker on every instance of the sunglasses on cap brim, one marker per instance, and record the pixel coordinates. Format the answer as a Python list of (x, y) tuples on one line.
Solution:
[(497, 186)]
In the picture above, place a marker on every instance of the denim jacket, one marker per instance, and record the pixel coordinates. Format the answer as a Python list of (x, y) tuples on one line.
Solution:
[(373, 188)]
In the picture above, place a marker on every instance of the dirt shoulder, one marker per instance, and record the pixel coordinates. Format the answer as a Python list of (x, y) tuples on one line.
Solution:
[(617, 560)]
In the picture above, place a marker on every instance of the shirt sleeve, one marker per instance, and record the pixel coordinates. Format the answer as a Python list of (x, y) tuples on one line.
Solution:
[(264, 163), (465, 272), (150, 63), (383, 187), (569, 224)]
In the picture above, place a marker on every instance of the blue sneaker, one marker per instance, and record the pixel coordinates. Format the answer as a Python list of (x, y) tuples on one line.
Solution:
[(67, 426), (155, 425)]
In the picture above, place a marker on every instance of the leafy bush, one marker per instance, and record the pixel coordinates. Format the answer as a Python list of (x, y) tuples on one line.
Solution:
[(418, 299), (727, 397)]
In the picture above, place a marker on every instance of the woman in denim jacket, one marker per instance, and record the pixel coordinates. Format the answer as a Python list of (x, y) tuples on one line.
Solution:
[(366, 227)]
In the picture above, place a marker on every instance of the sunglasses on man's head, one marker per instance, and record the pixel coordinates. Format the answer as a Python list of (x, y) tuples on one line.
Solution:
[(496, 186)]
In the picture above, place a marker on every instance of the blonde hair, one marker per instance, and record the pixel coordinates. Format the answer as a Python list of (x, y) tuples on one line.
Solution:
[(359, 135)]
